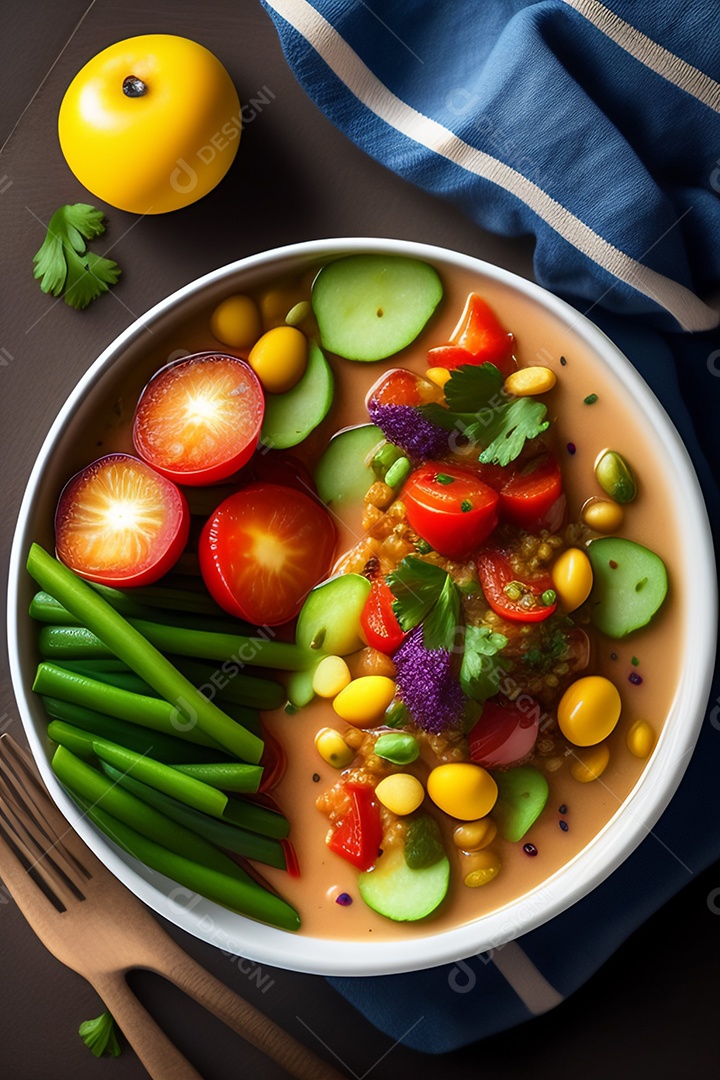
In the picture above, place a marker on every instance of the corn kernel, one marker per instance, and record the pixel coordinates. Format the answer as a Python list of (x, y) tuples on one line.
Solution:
[(363, 701), (401, 793), (529, 381), (602, 516), (331, 676), (332, 748), (462, 790), (591, 764), (480, 868), (572, 578), (438, 375), (640, 739), (475, 835), (589, 710)]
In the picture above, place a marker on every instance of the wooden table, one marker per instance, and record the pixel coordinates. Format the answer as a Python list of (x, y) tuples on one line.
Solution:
[(296, 178)]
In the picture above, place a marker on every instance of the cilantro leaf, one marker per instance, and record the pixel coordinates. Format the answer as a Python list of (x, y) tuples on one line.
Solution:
[(100, 1036), (441, 623), (425, 593), (479, 409), (62, 262), (482, 666), (510, 426)]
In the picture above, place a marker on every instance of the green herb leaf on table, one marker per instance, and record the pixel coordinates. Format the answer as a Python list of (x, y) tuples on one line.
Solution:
[(425, 593), (482, 666), (100, 1036), (63, 264), (478, 408)]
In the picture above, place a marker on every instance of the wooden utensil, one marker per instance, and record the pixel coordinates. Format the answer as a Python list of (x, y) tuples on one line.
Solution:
[(94, 925)]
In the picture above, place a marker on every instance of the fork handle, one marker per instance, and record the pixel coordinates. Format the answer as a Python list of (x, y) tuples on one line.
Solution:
[(239, 1015), (160, 1057)]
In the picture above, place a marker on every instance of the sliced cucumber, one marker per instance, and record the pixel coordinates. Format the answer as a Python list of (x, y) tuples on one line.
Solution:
[(394, 890), (330, 617), (371, 306), (629, 585), (522, 795), (290, 417), (341, 475)]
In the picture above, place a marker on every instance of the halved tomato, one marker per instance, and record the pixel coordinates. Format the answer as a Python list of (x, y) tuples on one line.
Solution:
[(450, 507), (530, 494), (519, 601), (119, 522), (378, 621), (478, 338), (198, 420), (263, 550)]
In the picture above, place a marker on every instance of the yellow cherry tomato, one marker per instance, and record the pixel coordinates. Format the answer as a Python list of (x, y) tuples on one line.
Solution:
[(151, 123), (589, 710), (279, 358), (572, 578), (236, 322)]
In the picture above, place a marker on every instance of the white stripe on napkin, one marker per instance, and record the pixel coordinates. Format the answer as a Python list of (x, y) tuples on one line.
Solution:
[(683, 305), (648, 52), (528, 982)]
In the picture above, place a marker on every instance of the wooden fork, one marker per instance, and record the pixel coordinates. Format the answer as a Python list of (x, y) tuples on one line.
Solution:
[(94, 925)]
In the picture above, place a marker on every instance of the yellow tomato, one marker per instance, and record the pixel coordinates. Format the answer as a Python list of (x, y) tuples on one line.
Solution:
[(150, 124)]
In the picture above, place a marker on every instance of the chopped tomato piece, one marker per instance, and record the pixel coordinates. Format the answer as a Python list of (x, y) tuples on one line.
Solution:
[(378, 621), (263, 550), (527, 601), (478, 338), (450, 507), (119, 522), (506, 732), (273, 761), (198, 420), (401, 387), (530, 492), (358, 836)]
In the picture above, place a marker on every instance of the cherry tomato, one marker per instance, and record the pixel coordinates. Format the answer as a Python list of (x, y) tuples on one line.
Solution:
[(358, 836), (151, 123), (529, 494), (518, 601), (478, 338), (505, 733), (450, 508), (198, 420), (378, 621), (120, 523), (263, 550)]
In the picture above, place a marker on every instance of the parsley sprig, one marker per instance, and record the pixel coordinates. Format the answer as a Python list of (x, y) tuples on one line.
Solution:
[(482, 666), (63, 264), (100, 1036), (479, 409), (425, 593)]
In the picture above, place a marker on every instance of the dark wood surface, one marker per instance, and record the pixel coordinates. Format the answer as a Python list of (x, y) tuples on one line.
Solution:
[(652, 1010)]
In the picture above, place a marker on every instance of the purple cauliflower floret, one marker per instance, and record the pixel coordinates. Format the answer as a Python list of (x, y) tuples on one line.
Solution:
[(404, 426), (427, 685)]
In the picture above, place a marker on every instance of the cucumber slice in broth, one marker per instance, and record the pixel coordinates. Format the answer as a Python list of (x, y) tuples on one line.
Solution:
[(629, 585), (290, 417), (394, 890), (341, 475), (369, 307)]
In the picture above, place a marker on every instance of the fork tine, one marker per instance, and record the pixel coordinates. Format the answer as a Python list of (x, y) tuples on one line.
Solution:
[(40, 857), (19, 769)]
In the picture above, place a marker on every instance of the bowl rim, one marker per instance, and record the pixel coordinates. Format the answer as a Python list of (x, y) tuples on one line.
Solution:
[(599, 858)]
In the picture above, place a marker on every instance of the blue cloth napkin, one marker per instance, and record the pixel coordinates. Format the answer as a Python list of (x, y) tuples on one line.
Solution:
[(595, 127)]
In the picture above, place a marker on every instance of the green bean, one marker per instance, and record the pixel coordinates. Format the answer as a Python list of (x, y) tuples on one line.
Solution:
[(259, 819), (83, 725), (67, 642), (44, 608), (229, 683), (128, 644), (250, 900), (230, 837), (154, 713), (160, 596), (86, 781), (185, 789), (226, 775), (128, 680)]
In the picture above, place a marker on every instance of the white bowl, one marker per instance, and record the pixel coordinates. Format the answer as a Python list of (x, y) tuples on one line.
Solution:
[(695, 610)]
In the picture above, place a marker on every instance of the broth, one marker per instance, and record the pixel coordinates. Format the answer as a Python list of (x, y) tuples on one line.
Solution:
[(541, 338)]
